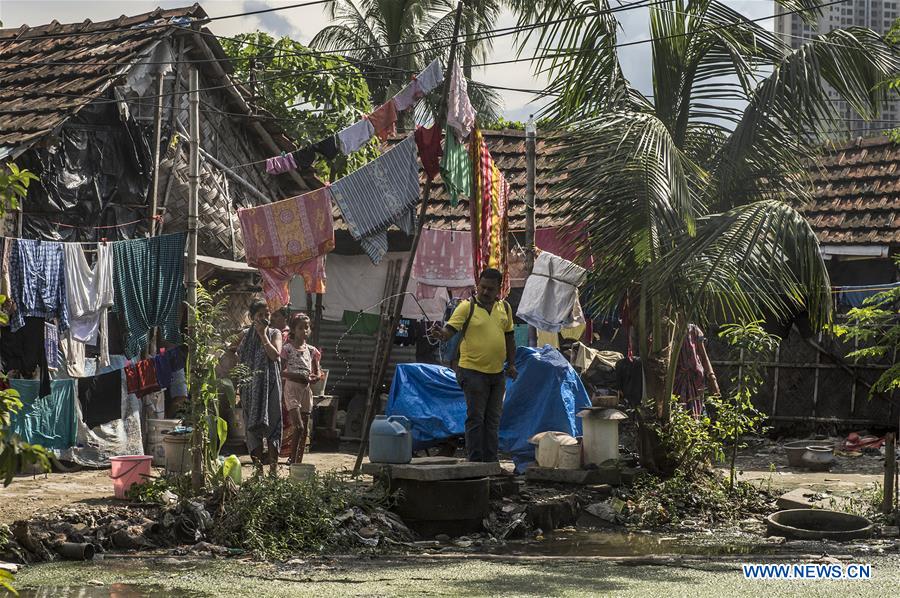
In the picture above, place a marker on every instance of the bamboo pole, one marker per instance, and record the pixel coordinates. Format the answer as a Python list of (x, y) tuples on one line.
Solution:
[(197, 473), (423, 212), (154, 199), (530, 168)]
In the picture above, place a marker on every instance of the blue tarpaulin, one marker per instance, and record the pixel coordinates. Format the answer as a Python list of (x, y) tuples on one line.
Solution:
[(545, 397)]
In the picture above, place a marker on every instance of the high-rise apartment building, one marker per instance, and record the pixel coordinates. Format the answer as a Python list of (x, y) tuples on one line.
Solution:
[(877, 15)]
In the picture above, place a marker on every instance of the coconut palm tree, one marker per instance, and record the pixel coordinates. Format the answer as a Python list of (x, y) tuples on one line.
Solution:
[(391, 39), (691, 193)]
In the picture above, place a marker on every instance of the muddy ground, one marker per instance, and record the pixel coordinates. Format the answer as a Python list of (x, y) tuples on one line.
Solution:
[(763, 462)]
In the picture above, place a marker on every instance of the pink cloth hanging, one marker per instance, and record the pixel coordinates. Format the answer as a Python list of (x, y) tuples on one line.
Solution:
[(443, 260), (280, 164), (568, 242), (276, 280)]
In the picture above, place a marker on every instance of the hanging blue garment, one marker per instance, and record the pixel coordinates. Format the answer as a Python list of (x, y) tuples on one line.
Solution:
[(856, 296), (382, 193), (48, 421), (37, 277)]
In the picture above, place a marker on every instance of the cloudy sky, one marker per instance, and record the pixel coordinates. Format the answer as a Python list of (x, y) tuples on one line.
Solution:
[(302, 23)]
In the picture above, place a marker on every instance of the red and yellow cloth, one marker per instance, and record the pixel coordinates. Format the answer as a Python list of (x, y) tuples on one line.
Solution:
[(488, 212)]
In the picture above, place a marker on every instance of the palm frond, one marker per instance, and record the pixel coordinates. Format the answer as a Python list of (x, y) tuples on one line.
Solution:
[(634, 183), (775, 139), (754, 261)]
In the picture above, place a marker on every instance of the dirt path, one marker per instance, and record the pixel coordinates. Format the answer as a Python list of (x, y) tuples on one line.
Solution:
[(28, 495)]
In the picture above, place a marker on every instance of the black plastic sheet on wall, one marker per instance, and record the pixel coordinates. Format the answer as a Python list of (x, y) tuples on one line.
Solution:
[(98, 174)]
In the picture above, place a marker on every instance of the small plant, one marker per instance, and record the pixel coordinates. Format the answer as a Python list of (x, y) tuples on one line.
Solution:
[(735, 414), (154, 491), (206, 344)]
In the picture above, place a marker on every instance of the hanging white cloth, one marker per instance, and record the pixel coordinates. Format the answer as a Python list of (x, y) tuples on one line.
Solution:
[(430, 77), (90, 294), (460, 114), (355, 136), (550, 296)]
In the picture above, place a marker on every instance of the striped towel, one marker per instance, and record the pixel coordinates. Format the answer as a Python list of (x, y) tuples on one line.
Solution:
[(382, 193)]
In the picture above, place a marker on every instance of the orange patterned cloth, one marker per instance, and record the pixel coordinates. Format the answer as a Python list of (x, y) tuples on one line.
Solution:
[(287, 238), (488, 212), (287, 232), (276, 281)]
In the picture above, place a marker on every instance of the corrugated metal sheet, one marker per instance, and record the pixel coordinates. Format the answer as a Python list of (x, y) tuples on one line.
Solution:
[(355, 350)]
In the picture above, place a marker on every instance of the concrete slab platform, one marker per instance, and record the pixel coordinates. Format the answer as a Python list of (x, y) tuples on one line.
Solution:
[(581, 477), (433, 469), (799, 499)]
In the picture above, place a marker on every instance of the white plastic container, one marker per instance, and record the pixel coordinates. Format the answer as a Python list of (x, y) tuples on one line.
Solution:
[(156, 432), (548, 447), (569, 456), (601, 434)]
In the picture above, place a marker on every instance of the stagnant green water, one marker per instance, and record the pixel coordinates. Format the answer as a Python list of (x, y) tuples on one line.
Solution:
[(566, 563)]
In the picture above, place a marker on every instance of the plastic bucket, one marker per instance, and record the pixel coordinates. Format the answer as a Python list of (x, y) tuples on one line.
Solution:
[(178, 453), (127, 471)]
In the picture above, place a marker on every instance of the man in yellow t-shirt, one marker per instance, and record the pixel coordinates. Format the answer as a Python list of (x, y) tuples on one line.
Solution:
[(487, 343)]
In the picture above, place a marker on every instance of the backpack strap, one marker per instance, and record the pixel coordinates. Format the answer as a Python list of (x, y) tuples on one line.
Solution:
[(468, 319)]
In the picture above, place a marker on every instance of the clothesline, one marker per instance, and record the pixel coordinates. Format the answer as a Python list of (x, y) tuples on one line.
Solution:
[(103, 241), (381, 122), (158, 218)]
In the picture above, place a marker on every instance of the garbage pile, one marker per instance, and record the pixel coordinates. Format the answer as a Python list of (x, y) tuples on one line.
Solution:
[(377, 528), (80, 533)]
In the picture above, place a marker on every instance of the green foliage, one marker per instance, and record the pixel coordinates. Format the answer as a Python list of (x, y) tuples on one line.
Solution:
[(155, 491), (6, 579), (206, 343), (13, 186), (396, 39), (705, 497), (876, 325), (14, 454), (689, 442), (313, 95), (277, 517)]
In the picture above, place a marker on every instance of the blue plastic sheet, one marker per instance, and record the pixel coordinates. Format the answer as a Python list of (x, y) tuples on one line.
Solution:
[(431, 400), (545, 397)]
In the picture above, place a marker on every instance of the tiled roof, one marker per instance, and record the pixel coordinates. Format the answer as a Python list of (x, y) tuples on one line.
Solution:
[(49, 72), (35, 96), (857, 194), (507, 147)]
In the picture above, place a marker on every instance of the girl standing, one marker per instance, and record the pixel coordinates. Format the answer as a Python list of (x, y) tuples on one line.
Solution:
[(301, 368)]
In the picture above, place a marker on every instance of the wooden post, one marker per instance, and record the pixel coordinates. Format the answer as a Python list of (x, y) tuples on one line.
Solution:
[(890, 464), (530, 138), (197, 441), (154, 199), (404, 283)]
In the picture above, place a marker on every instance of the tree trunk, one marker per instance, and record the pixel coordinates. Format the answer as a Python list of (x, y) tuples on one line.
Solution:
[(653, 455)]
